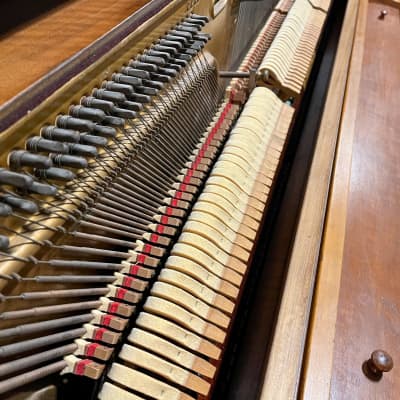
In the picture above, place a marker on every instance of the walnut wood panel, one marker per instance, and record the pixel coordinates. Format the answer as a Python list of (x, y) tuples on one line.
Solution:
[(32, 50), (369, 302), (359, 281)]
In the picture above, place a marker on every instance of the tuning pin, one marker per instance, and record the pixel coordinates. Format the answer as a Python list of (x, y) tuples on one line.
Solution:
[(93, 140), (194, 26), (92, 114), (19, 203), (15, 179), (68, 122), (61, 135), (199, 17), (179, 36), (5, 210), (146, 66), (126, 79), (135, 72), (82, 150), (171, 50), (114, 121), (4, 244), (38, 144), (106, 131), (62, 160), (43, 189), (124, 113), (115, 97), (57, 174), (21, 158)]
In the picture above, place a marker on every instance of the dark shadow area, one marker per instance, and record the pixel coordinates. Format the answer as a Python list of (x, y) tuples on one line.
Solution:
[(18, 12)]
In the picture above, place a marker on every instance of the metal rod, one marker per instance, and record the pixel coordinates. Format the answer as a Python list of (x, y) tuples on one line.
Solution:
[(28, 377), (234, 74), (35, 359), (32, 344)]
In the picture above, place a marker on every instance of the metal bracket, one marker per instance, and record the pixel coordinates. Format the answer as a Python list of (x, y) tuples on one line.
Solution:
[(251, 75)]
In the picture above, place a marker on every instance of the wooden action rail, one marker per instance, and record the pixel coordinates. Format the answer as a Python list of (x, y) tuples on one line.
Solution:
[(193, 300)]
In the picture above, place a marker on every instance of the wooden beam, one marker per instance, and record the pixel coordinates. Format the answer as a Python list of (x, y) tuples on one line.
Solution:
[(285, 362), (318, 368)]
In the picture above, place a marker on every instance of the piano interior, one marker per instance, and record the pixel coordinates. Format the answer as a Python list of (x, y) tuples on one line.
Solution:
[(165, 171)]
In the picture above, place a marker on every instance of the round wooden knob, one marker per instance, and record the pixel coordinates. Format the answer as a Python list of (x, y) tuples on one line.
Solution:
[(380, 362)]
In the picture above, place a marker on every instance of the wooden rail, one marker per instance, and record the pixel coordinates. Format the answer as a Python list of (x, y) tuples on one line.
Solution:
[(285, 362)]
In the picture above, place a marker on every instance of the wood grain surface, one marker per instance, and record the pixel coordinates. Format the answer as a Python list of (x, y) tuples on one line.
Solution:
[(318, 370), (282, 376), (369, 302), (357, 308), (33, 49)]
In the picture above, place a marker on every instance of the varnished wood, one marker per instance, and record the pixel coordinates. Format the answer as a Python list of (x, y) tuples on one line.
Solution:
[(33, 49), (284, 365), (359, 280), (369, 304), (318, 369)]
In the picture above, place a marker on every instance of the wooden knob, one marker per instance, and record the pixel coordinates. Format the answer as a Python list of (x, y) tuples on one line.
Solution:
[(383, 14), (380, 362)]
